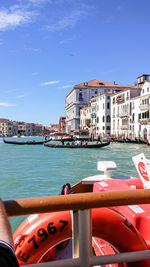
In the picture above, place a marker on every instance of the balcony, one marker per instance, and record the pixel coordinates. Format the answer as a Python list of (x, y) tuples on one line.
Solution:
[(144, 121), (124, 114), (125, 127), (145, 106)]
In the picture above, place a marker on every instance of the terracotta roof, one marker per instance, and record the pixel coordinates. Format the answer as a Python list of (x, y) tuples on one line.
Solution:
[(99, 83), (4, 120), (39, 125)]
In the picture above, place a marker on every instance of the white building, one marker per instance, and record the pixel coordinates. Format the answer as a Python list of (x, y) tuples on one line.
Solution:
[(81, 94), (121, 112), (96, 117), (6, 127), (85, 117), (130, 111), (141, 114)]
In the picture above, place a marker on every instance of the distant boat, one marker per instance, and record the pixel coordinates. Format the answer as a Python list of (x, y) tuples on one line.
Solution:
[(33, 142), (78, 146)]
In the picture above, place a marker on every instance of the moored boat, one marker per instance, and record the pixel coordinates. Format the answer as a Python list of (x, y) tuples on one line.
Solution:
[(29, 142), (116, 229), (91, 145)]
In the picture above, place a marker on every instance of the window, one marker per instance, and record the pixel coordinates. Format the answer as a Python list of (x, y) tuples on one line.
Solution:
[(95, 91), (103, 106), (108, 118), (108, 97), (103, 119), (97, 119), (147, 89), (133, 117), (108, 128), (108, 105), (103, 128), (80, 97), (143, 91)]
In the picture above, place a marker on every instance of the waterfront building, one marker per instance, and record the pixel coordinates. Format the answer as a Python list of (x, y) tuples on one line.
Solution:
[(29, 129), (15, 129), (38, 129), (62, 125), (85, 117), (121, 112), (130, 111), (81, 94), (96, 117), (6, 127), (141, 113), (53, 128)]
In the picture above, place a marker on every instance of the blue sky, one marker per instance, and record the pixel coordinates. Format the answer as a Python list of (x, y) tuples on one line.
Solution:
[(48, 46)]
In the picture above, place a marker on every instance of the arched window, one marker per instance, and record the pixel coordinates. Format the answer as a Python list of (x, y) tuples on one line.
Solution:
[(108, 118), (103, 119)]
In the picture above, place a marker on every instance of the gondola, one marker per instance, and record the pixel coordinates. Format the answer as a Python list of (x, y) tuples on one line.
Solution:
[(33, 142), (78, 146)]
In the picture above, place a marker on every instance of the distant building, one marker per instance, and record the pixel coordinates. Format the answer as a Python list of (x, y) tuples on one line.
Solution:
[(96, 117), (85, 117), (38, 129), (62, 124), (15, 128), (81, 94), (6, 127), (53, 128)]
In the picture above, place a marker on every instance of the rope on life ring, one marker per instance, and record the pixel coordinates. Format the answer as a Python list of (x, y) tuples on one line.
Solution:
[(53, 228)]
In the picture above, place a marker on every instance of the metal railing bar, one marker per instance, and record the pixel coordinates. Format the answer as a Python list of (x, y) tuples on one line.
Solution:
[(62, 263), (97, 260), (75, 234), (78, 201), (85, 237), (120, 258)]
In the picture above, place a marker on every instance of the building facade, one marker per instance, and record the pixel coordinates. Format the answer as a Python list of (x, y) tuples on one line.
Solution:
[(6, 127), (62, 125), (130, 112), (81, 94), (121, 112)]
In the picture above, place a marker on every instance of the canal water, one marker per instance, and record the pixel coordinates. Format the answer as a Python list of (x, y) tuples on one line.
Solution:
[(33, 171)]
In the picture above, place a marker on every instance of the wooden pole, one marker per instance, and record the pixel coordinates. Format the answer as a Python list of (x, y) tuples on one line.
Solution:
[(77, 201)]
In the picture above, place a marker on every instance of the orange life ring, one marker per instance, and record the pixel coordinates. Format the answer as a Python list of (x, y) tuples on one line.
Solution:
[(34, 239)]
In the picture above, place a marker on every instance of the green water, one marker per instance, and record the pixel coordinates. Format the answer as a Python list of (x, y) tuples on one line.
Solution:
[(33, 171)]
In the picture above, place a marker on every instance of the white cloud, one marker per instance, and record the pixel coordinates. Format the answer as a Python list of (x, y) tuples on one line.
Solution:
[(6, 104), (34, 73), (49, 83), (67, 21), (38, 2), (66, 86), (21, 96), (66, 40), (15, 16)]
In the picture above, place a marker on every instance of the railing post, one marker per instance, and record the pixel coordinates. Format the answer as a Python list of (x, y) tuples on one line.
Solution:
[(75, 234), (85, 237)]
